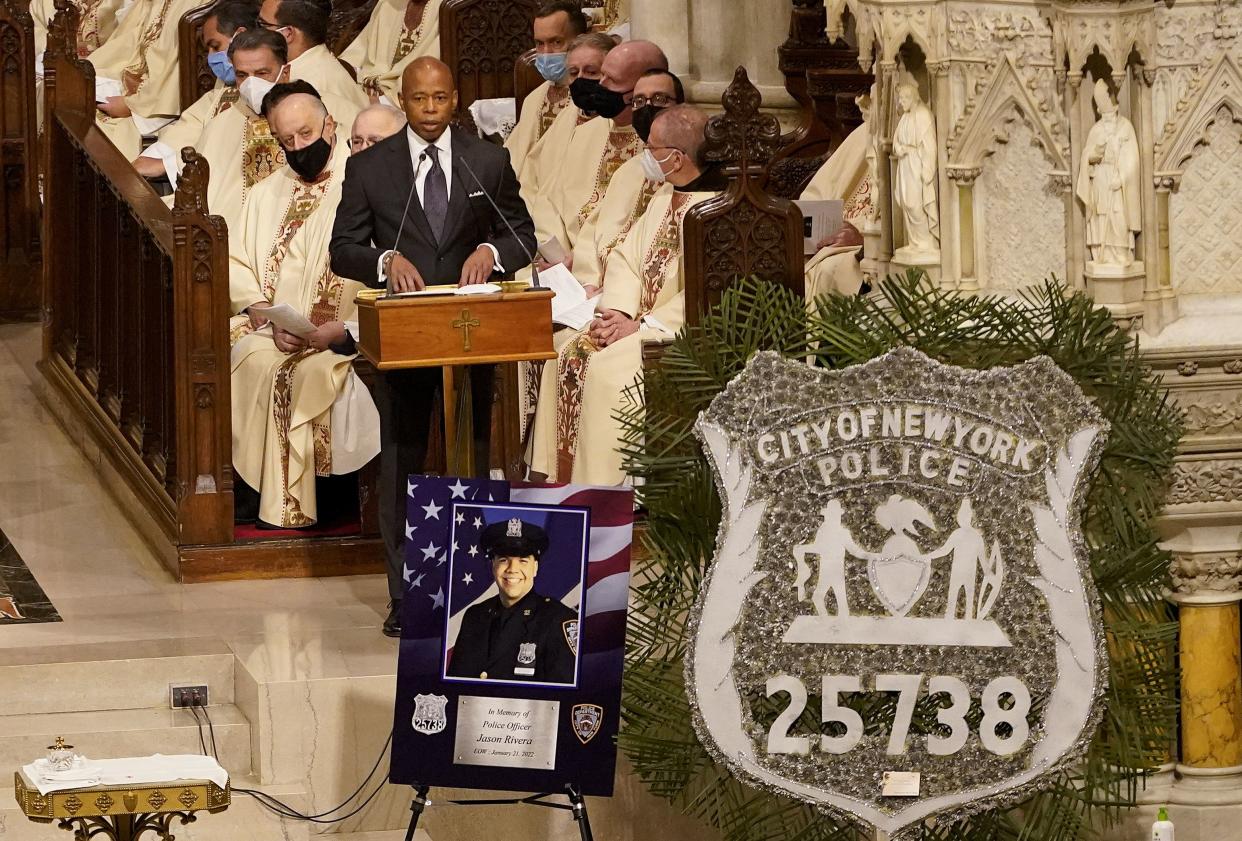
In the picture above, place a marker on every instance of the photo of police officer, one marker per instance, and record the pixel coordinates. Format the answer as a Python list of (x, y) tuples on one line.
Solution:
[(518, 634)]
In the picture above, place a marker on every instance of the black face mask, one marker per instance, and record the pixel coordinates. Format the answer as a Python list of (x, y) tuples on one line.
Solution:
[(643, 118), (310, 160), (608, 104), (582, 92)]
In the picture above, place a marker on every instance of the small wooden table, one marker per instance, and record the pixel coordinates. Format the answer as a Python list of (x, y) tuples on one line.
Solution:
[(121, 813), (453, 332)]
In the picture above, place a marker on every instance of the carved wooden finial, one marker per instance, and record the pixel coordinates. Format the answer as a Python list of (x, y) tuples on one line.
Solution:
[(191, 195), (62, 32), (742, 138)]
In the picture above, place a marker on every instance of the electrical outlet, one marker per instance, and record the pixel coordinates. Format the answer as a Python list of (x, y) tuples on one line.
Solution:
[(187, 695)]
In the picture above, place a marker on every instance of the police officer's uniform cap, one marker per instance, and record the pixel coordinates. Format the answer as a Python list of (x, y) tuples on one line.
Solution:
[(514, 538)]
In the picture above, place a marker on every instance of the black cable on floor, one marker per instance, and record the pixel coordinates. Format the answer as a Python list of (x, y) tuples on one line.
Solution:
[(279, 807), (211, 728)]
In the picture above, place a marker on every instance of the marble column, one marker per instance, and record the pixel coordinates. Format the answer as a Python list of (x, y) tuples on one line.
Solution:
[(706, 40), (1211, 681)]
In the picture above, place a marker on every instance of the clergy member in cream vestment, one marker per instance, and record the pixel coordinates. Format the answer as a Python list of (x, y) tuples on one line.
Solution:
[(576, 436), (846, 175), (398, 32), (556, 25), (226, 19), (141, 57), (585, 62), (96, 22), (304, 25), (298, 409), (562, 194), (631, 188)]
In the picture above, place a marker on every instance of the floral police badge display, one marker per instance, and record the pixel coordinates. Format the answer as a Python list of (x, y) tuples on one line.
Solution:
[(902, 532)]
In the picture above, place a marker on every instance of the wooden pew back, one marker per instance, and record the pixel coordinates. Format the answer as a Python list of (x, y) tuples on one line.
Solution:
[(19, 196), (134, 337), (744, 232), (482, 41)]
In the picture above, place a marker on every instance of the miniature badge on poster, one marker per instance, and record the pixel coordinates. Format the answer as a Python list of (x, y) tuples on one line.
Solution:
[(513, 635)]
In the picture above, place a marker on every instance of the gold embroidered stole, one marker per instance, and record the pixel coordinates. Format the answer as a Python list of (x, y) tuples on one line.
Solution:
[(665, 249), (228, 98), (88, 27), (261, 154), (406, 43), (622, 144), (645, 195), (861, 202), (302, 204), (553, 104), (135, 75)]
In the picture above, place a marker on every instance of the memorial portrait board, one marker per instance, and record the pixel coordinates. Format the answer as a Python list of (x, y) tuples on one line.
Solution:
[(899, 621), (513, 635)]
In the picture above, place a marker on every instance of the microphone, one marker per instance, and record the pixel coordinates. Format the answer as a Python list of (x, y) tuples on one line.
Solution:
[(405, 215), (534, 270)]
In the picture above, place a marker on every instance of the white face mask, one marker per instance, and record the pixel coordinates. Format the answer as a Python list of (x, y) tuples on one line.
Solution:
[(253, 89), (654, 169)]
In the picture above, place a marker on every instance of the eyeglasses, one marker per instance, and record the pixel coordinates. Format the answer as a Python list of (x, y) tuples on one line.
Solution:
[(659, 100), (269, 25)]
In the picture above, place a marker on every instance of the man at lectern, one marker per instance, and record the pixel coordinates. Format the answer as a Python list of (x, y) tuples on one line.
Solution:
[(429, 205)]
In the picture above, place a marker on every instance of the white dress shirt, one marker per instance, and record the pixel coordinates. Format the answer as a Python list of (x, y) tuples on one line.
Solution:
[(421, 162)]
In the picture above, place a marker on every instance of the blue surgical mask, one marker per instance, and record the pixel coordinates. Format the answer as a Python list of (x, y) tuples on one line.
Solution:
[(552, 66), (222, 67)]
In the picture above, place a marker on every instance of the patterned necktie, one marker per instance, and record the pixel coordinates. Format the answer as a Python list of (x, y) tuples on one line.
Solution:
[(435, 194)]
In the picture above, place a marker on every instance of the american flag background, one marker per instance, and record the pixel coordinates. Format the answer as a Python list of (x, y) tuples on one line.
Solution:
[(432, 608), (470, 571)]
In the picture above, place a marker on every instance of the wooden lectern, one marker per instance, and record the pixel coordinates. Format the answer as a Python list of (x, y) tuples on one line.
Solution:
[(453, 332)]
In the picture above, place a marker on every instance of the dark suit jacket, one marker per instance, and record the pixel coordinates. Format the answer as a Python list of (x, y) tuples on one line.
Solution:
[(377, 185), (531, 643)]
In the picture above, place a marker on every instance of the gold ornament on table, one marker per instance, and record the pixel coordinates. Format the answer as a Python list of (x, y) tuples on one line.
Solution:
[(60, 757)]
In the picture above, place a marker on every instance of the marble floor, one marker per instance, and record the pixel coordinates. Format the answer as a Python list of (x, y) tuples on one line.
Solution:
[(305, 678)]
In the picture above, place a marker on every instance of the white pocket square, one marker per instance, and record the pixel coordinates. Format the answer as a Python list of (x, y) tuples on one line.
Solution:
[(476, 195)]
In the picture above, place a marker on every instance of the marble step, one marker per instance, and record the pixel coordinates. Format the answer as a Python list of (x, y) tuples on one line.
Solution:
[(382, 835), (111, 676), (244, 820), (108, 734)]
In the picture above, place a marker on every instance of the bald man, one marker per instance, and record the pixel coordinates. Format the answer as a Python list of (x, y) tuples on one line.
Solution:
[(373, 124), (451, 234), (299, 411), (577, 436), (562, 190)]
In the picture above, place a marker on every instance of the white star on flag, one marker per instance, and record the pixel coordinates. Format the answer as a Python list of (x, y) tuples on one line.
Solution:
[(473, 550), (460, 518), (467, 579), (430, 551), (409, 530), (409, 487), (459, 490), (433, 510), (418, 580), (438, 599), (406, 572), (454, 545), (478, 522), (440, 561)]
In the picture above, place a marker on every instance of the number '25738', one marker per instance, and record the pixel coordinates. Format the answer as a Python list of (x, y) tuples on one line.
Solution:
[(954, 729)]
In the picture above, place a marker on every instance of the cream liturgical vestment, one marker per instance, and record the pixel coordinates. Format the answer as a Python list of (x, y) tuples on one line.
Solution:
[(385, 46), (540, 108), (304, 414), (142, 55), (577, 436), (570, 170), (629, 194), (846, 175), (96, 22), (324, 70)]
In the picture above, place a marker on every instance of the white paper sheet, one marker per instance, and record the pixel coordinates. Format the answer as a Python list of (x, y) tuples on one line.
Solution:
[(288, 319), (476, 289), (820, 219), (570, 306), (105, 87)]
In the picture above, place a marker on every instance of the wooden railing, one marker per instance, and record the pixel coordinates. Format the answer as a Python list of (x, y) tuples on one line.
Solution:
[(19, 188), (133, 331)]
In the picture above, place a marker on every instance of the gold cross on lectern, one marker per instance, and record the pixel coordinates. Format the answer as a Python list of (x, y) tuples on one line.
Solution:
[(464, 323)]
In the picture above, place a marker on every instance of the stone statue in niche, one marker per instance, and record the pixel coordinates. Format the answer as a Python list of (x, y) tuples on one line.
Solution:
[(1108, 185), (914, 190)]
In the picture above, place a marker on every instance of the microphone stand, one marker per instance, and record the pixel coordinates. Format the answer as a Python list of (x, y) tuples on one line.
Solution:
[(534, 271)]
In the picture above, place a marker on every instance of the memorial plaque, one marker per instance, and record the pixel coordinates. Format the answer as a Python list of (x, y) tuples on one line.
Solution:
[(507, 732)]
